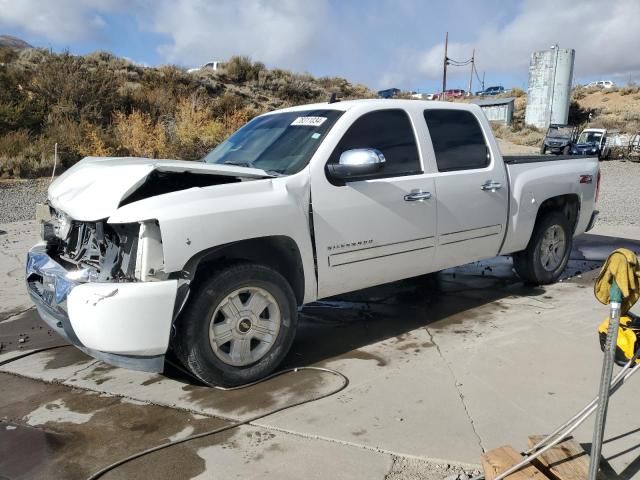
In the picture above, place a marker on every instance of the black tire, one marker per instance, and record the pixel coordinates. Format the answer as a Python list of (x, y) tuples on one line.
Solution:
[(566, 150), (192, 342), (529, 263), (543, 150)]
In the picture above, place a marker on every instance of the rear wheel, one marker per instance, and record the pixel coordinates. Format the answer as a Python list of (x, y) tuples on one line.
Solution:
[(548, 251), (566, 150), (238, 327)]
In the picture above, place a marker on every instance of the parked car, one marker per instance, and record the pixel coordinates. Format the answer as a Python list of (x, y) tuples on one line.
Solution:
[(455, 93), (602, 84), (592, 141), (559, 139), (432, 96), (206, 66), (212, 259), (491, 91), (388, 93)]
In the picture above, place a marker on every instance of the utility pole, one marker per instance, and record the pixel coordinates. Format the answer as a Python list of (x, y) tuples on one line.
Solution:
[(444, 71), (473, 59), (482, 81)]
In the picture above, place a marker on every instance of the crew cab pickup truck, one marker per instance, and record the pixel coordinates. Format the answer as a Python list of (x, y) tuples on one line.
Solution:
[(212, 259)]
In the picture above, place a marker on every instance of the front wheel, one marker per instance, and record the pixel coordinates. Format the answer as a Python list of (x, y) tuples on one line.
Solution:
[(238, 326), (566, 150), (547, 253), (543, 150)]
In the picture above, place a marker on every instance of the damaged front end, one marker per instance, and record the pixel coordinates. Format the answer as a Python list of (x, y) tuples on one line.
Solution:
[(102, 287)]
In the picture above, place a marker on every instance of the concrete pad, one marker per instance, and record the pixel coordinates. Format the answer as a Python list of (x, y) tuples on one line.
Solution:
[(437, 371)]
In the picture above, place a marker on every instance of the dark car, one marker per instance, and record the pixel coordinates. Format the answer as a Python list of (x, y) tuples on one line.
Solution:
[(559, 139), (389, 93), (497, 90), (592, 141)]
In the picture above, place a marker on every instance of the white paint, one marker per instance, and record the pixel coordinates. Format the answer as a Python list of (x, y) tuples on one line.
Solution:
[(184, 433), (94, 187), (10, 427), (56, 412), (124, 318)]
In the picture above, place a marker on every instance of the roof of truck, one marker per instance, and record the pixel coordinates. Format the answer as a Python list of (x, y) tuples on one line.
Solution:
[(377, 103)]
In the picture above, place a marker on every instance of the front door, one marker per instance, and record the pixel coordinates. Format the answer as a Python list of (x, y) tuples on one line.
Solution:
[(382, 228)]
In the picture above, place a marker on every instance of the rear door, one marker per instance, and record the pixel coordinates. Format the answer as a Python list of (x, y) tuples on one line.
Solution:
[(380, 229), (471, 185)]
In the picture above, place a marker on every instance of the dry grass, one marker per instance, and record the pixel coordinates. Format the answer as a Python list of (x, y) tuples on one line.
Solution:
[(102, 105)]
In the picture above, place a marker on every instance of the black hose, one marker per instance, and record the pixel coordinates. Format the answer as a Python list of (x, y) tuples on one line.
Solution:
[(345, 383), (32, 352)]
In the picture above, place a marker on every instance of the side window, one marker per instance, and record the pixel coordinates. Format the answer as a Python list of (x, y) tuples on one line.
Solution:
[(390, 132), (457, 140)]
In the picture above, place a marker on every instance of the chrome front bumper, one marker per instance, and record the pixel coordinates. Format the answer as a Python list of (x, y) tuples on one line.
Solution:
[(111, 324)]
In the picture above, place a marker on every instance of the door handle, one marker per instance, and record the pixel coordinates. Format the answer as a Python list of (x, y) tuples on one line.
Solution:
[(491, 185), (417, 196)]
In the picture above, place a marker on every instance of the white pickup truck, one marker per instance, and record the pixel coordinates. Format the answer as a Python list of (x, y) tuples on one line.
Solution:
[(211, 259)]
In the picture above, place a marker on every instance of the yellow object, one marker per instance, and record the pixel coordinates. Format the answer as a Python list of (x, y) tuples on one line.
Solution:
[(627, 338), (621, 266)]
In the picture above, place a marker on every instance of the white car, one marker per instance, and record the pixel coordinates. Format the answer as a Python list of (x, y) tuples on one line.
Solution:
[(213, 258), (602, 84), (206, 66)]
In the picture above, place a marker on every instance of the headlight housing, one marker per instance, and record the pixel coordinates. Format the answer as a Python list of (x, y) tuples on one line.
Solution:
[(149, 256)]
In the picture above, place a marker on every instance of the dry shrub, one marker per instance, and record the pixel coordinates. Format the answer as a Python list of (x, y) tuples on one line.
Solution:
[(605, 99), (14, 143), (195, 132), (242, 69), (629, 89), (138, 135), (527, 135)]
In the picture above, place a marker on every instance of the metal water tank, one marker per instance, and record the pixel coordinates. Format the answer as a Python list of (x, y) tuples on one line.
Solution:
[(549, 92)]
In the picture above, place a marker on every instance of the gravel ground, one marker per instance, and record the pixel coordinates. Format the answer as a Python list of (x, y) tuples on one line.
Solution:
[(18, 198), (617, 203)]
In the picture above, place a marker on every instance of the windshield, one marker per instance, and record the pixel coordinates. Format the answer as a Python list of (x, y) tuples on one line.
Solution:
[(281, 143), (560, 132), (590, 137)]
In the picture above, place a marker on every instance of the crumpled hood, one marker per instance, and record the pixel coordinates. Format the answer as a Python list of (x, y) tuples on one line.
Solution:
[(94, 187)]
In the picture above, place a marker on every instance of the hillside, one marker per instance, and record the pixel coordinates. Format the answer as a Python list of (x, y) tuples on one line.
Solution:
[(9, 41), (103, 105)]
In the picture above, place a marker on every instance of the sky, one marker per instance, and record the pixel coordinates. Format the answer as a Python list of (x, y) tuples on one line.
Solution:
[(381, 43)]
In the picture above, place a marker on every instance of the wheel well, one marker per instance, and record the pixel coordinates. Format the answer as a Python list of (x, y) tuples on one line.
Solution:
[(278, 252), (569, 205)]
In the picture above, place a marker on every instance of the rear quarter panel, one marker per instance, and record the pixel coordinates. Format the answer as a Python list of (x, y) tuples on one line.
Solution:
[(532, 184)]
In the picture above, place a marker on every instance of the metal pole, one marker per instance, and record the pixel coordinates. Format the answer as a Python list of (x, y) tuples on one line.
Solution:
[(553, 85), (444, 70), (473, 56), (615, 296)]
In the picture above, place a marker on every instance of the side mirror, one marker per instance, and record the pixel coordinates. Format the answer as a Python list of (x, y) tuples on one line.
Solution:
[(357, 163)]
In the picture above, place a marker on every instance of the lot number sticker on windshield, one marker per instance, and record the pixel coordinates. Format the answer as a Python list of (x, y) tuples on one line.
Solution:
[(309, 121)]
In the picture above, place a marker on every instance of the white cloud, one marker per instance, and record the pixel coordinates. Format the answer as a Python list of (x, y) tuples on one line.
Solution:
[(280, 32), (602, 33), (58, 21)]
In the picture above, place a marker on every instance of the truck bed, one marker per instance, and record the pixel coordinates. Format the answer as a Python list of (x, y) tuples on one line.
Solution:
[(518, 159)]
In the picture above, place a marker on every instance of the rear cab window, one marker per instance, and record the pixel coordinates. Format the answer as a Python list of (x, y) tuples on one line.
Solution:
[(389, 131), (458, 140)]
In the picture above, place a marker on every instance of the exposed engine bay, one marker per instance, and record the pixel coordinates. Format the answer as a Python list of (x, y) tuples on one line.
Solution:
[(96, 250)]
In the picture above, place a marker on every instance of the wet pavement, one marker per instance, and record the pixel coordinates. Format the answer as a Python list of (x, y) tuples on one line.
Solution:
[(441, 368)]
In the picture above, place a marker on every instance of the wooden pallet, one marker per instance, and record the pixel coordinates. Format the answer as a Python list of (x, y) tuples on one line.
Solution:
[(565, 461)]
